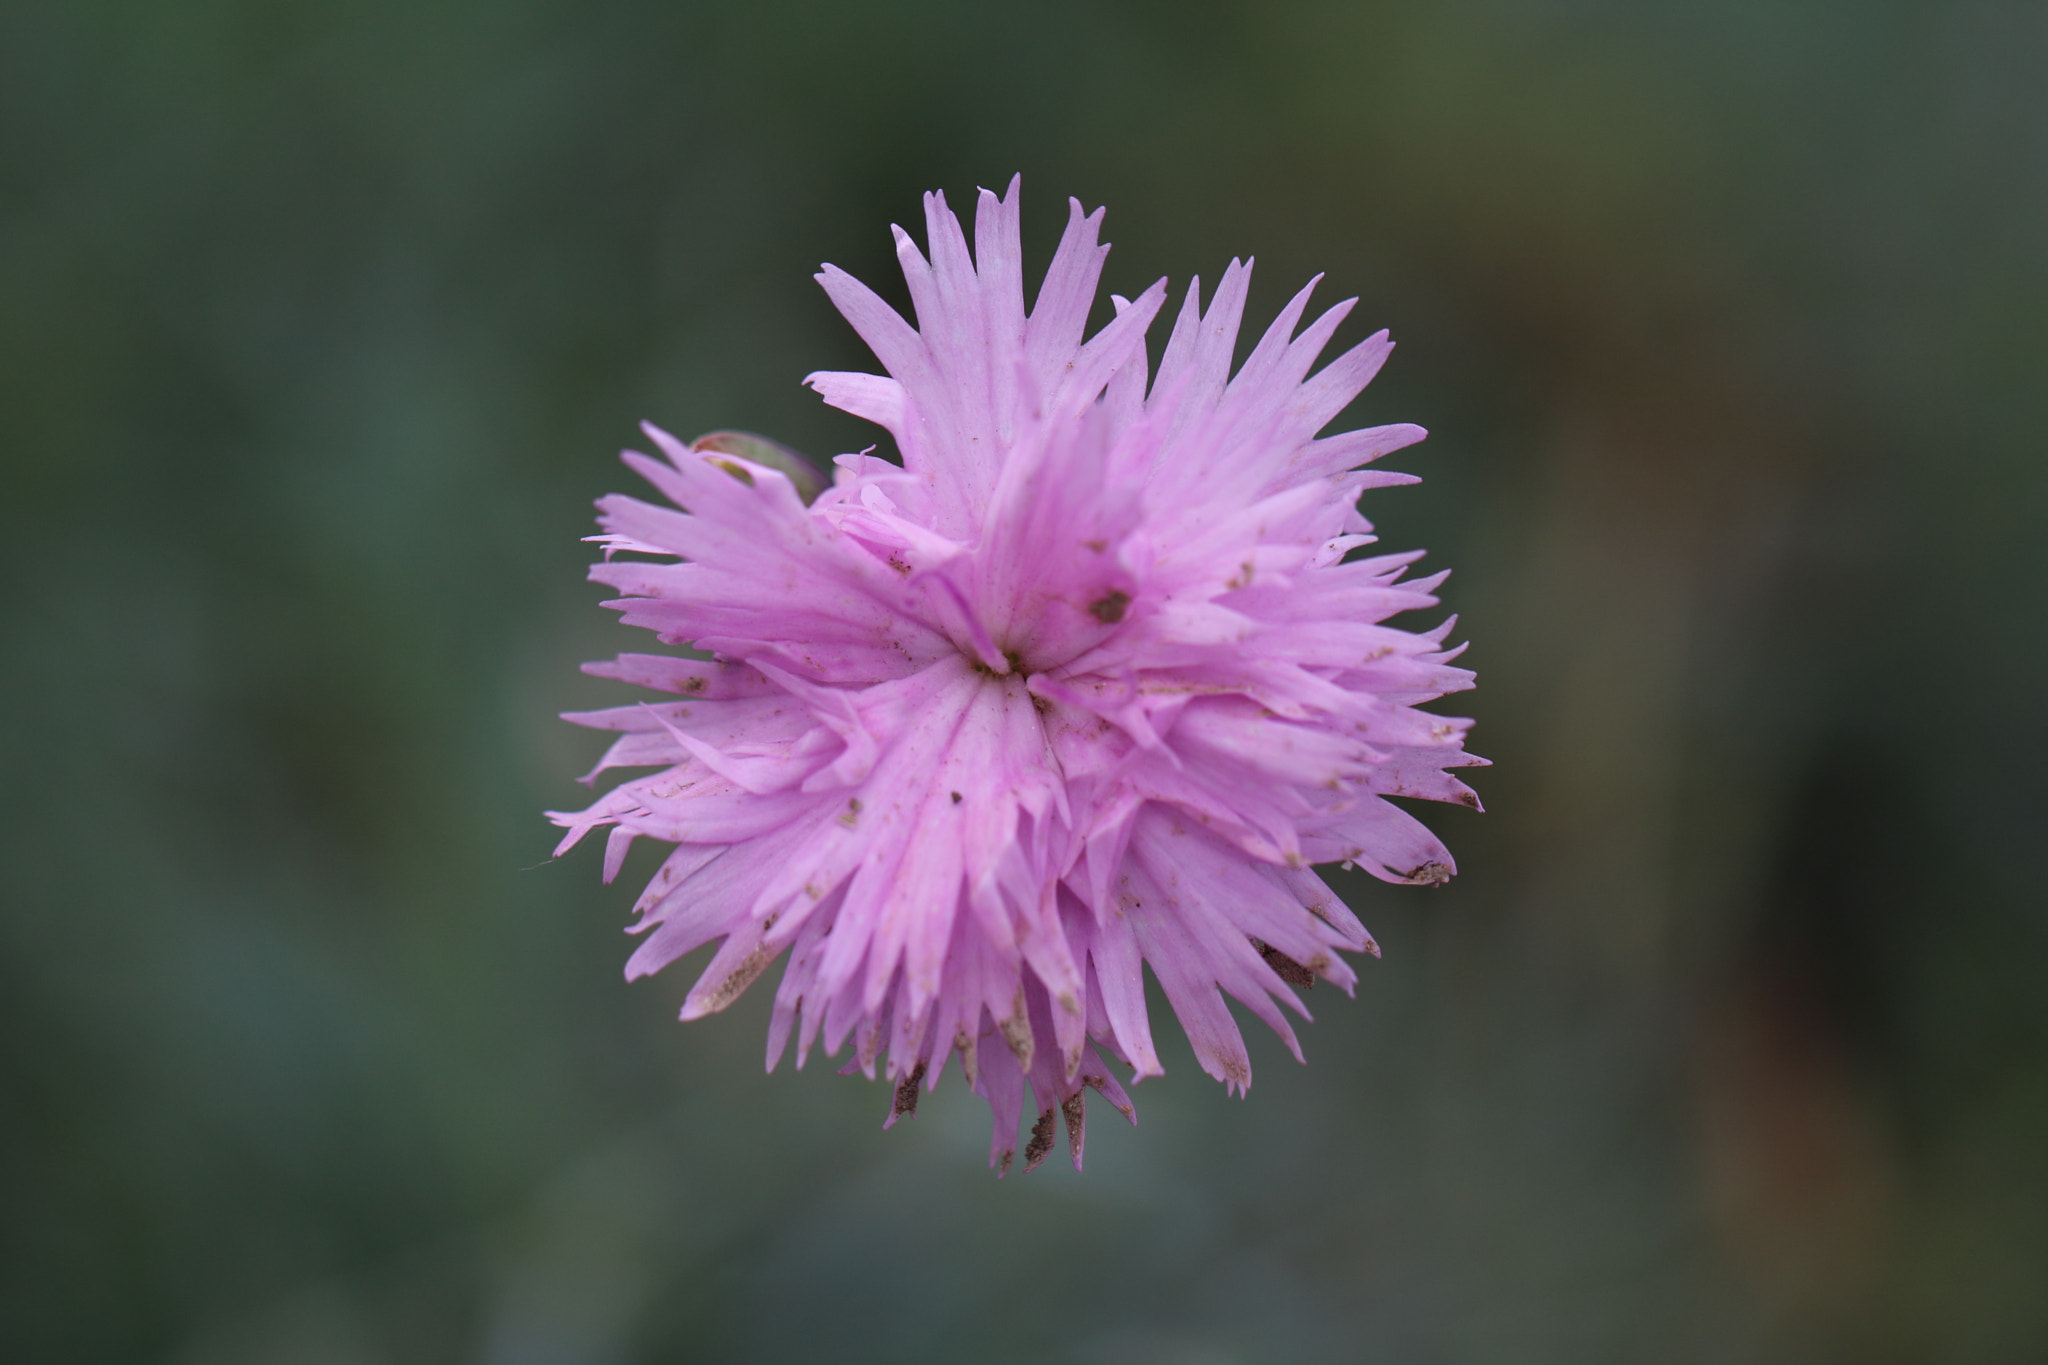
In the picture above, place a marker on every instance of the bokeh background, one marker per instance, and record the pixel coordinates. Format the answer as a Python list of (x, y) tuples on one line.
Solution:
[(320, 326)]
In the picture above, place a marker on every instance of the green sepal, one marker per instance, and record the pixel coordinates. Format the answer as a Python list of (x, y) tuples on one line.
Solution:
[(802, 474)]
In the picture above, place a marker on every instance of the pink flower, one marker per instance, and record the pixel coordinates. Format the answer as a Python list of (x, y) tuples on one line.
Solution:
[(1090, 680)]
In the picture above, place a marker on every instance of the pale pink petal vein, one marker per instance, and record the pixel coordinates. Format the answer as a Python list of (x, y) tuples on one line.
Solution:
[(1087, 683)]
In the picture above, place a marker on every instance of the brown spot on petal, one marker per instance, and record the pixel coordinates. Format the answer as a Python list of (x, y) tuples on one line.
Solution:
[(970, 1064), (1285, 967), (1429, 874), (1074, 1109), (737, 981), (906, 1092), (956, 798), (694, 684), (1109, 608), (1003, 1168), (1017, 1033), (1041, 1141), (868, 1045), (1096, 545), (851, 815), (1100, 1085)]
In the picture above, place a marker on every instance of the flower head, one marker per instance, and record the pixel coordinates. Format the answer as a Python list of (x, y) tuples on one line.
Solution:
[(1088, 681)]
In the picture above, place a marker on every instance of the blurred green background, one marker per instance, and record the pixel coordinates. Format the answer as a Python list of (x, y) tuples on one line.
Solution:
[(320, 325)]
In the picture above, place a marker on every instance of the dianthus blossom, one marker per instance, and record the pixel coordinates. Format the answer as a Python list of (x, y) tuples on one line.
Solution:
[(1089, 681)]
